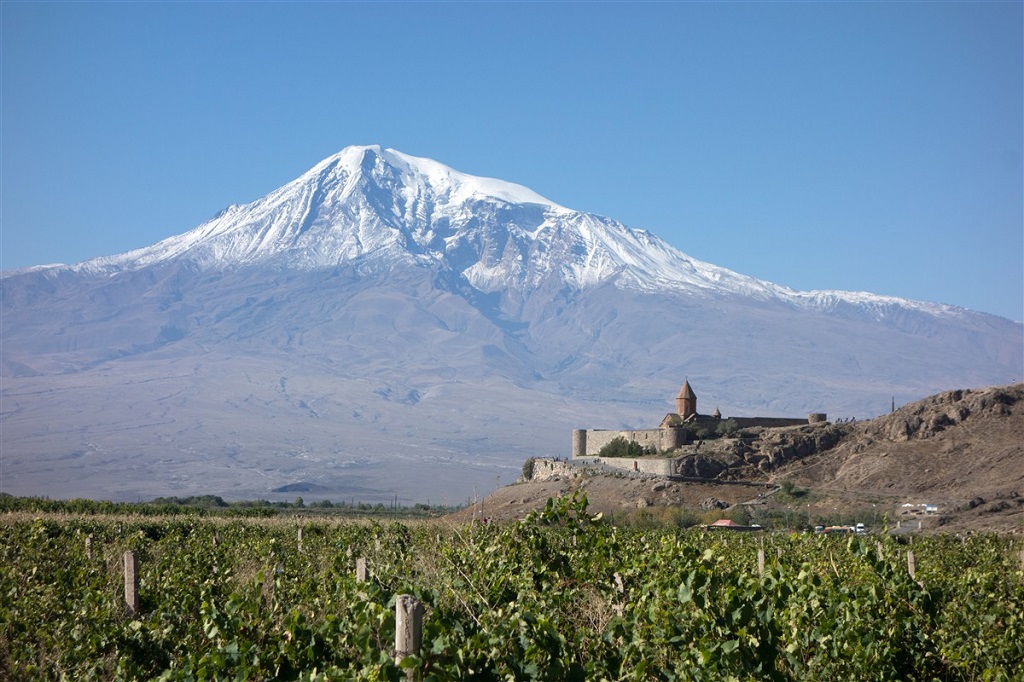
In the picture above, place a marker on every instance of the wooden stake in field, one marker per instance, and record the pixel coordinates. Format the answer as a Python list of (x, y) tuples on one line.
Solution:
[(131, 581), (760, 561), (911, 564), (408, 629), (361, 570)]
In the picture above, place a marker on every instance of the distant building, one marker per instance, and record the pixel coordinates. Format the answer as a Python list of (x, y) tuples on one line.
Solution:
[(728, 524)]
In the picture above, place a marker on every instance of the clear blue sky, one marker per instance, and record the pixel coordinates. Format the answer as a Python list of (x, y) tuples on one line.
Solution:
[(869, 146)]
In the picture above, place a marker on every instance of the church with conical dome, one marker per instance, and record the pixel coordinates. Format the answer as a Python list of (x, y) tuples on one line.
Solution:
[(686, 402)]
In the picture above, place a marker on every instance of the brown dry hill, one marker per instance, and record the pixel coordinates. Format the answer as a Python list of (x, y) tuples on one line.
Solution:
[(961, 450)]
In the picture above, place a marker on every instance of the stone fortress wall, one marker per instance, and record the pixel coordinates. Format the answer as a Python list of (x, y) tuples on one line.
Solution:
[(658, 466), (547, 469), (588, 442)]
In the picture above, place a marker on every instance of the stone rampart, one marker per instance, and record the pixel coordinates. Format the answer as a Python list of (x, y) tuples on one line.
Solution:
[(769, 422), (659, 466), (546, 469)]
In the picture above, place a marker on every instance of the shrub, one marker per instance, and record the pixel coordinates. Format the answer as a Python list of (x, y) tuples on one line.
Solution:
[(699, 433), (620, 447), (789, 492), (739, 514), (728, 428)]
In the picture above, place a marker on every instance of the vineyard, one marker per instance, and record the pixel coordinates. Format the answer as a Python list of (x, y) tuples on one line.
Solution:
[(558, 596)]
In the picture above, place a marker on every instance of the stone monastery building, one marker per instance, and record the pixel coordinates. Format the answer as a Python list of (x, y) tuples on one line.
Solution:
[(672, 433)]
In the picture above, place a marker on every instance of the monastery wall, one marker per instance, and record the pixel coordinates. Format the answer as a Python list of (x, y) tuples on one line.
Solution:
[(659, 466), (588, 442)]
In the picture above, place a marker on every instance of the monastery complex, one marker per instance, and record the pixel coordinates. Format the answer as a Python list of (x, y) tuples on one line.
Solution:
[(673, 432)]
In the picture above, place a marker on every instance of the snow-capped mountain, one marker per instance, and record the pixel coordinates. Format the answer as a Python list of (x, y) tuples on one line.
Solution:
[(370, 205), (384, 318)]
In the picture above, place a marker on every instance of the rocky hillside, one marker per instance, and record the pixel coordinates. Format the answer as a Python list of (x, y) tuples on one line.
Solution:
[(962, 451)]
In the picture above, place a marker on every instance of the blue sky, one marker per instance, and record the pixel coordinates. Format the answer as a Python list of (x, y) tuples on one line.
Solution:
[(820, 145)]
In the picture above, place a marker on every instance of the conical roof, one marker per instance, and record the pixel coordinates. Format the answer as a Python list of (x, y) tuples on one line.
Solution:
[(686, 392)]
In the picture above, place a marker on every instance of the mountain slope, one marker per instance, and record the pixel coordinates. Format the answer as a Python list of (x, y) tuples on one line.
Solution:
[(386, 324)]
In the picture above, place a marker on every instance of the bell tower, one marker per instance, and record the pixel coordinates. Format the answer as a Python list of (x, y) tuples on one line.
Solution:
[(686, 401)]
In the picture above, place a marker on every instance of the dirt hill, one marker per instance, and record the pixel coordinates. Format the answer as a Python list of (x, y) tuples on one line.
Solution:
[(961, 451)]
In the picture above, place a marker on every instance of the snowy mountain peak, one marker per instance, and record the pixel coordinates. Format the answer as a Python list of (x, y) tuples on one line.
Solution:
[(380, 209), (364, 202), (370, 204), (372, 161)]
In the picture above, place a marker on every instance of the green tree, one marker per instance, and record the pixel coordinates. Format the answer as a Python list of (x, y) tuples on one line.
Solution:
[(727, 428), (620, 447)]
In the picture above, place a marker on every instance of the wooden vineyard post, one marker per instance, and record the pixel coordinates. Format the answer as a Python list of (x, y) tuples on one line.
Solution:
[(131, 581), (760, 561), (408, 629), (911, 564), (620, 587), (300, 541), (361, 570), (878, 550), (88, 547)]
